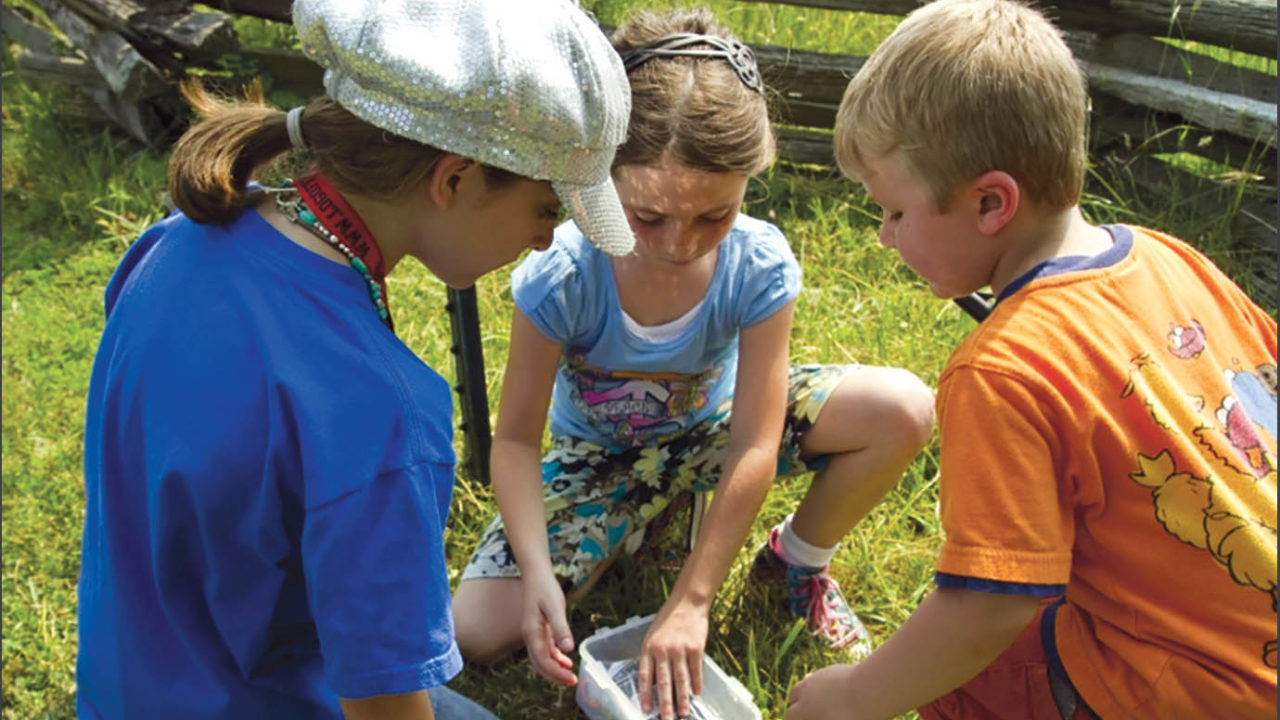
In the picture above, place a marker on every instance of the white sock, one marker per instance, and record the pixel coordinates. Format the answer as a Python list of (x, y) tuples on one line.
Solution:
[(798, 552)]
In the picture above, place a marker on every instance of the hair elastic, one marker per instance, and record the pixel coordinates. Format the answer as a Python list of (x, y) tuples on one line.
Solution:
[(293, 124), (740, 57)]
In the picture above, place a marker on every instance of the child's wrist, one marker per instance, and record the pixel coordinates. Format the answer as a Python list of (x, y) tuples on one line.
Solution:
[(693, 598)]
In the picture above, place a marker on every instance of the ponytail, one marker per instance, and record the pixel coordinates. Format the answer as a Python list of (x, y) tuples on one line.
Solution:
[(212, 162)]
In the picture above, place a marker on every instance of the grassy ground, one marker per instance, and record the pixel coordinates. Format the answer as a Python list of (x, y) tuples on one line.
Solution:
[(76, 194)]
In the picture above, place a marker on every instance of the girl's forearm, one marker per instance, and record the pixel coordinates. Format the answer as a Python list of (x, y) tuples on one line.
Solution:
[(517, 485), (739, 495), (951, 637)]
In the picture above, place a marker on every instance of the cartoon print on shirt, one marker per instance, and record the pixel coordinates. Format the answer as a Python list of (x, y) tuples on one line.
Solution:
[(639, 406), (1205, 514), (1267, 374), (1255, 395), (1230, 511), (1186, 342)]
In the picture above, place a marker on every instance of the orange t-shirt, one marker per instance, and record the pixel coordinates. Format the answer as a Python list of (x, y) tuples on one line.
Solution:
[(1113, 429)]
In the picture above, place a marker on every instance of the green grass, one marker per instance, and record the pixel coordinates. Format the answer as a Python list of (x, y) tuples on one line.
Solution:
[(1227, 55), (76, 194), (801, 28)]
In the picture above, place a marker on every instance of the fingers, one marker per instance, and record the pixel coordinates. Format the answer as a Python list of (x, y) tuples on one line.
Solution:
[(553, 664), (695, 671), (561, 664), (644, 683), (662, 683), (557, 636), (561, 633), (669, 679), (680, 673), (547, 660)]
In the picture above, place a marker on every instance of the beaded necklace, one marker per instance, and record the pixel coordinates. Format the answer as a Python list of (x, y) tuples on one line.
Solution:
[(314, 204)]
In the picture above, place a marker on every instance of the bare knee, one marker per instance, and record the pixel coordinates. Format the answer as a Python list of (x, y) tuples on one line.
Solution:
[(909, 418), (486, 619)]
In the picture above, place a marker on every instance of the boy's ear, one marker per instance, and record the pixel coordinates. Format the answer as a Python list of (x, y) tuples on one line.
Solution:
[(446, 177), (998, 196)]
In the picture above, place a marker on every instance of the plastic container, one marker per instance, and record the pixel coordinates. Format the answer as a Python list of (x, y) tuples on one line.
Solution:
[(600, 697)]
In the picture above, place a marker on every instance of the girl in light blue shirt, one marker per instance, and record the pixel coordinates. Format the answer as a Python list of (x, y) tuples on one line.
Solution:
[(666, 372)]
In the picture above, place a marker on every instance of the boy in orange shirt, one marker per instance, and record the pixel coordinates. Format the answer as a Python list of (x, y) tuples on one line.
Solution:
[(1108, 434)]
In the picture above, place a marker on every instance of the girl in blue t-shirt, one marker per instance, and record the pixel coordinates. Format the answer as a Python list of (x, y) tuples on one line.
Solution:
[(259, 445), (666, 372)]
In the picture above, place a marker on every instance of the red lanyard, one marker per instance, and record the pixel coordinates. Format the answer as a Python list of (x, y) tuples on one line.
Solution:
[(342, 221)]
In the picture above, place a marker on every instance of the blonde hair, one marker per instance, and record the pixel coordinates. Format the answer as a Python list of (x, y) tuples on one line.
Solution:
[(214, 160), (963, 87), (694, 110)]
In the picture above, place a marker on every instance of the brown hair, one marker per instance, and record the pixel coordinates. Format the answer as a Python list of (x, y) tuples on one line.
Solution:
[(213, 161), (963, 87), (694, 110)]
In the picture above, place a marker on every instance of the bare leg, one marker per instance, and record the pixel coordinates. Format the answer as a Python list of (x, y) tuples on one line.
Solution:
[(486, 618), (874, 424), (487, 614)]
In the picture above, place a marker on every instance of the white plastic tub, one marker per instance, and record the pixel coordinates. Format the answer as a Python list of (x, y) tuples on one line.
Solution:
[(600, 697)]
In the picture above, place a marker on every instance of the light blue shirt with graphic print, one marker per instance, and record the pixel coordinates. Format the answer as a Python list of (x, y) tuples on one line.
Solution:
[(618, 390)]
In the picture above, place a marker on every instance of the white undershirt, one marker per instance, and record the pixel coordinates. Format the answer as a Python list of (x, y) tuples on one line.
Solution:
[(664, 332)]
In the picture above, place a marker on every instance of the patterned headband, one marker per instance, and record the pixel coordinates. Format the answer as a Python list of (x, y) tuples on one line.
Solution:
[(739, 55)]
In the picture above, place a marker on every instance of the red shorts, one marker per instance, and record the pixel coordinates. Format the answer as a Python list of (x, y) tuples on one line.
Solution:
[(1015, 685)]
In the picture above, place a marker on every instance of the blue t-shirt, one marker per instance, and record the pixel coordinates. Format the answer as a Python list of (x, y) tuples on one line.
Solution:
[(616, 389), (268, 472)]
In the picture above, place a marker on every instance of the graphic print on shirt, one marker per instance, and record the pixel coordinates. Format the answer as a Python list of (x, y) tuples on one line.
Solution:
[(1230, 512), (1186, 342), (637, 406)]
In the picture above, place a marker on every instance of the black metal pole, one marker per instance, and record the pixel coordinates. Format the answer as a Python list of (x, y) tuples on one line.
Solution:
[(978, 305), (473, 396)]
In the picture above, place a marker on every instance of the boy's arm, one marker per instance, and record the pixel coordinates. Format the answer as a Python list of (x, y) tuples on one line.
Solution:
[(514, 465), (679, 633), (948, 640)]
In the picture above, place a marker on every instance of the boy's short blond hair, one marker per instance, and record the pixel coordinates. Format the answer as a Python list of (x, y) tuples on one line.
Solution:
[(963, 87)]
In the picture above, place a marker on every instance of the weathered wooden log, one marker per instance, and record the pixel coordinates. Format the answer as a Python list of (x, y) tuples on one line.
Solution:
[(1245, 25), (1115, 126), (135, 118), (804, 113), (1244, 117), (22, 31), (1147, 56), (198, 35), (809, 85), (821, 77), (162, 31), (287, 68), (278, 10), (62, 69), (128, 75), (1125, 129), (799, 146)]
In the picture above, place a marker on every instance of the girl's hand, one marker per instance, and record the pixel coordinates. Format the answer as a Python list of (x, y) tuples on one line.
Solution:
[(822, 695), (546, 630), (671, 659)]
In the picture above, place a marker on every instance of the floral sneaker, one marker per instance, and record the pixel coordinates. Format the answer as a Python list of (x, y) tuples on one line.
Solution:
[(815, 595)]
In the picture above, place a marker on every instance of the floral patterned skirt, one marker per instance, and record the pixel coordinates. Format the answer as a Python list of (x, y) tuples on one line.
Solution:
[(596, 497)]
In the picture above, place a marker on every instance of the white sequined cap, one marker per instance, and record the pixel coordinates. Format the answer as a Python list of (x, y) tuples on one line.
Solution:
[(529, 86)]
